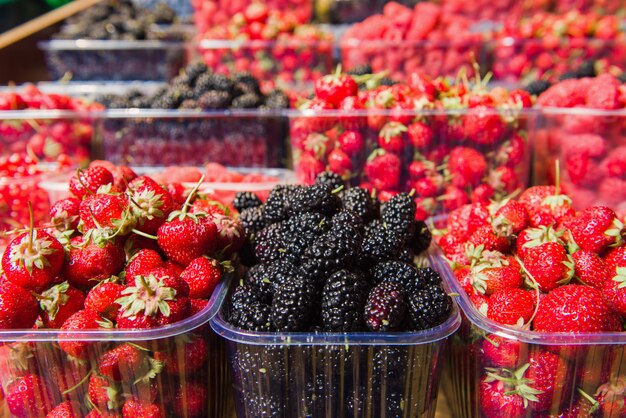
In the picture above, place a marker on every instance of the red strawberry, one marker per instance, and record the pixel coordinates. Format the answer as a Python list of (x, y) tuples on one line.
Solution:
[(391, 137), (511, 218), (511, 306), (134, 408), (533, 237), (101, 299), (466, 166), (428, 186), (500, 352), (65, 409), (191, 400), (123, 362), (483, 125), (486, 237), (534, 196), (89, 181), (142, 262), (465, 220), (197, 306), (603, 92), (106, 211), (595, 228), (549, 265), (351, 142), (482, 193), (575, 308), (548, 373), (614, 290), (453, 197), (124, 321), (186, 358), (151, 204), (488, 279), (202, 275), (103, 393), (383, 170), (506, 394), (504, 179), (333, 88), (615, 257), (611, 399), (339, 162), (33, 259), (590, 269), (29, 396), (59, 303), (88, 263), (18, 307), (64, 214), (420, 135), (81, 320), (512, 152)]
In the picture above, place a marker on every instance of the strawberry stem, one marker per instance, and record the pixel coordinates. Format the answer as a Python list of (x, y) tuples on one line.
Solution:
[(31, 226), (193, 192), (79, 175), (532, 279), (77, 385), (143, 283), (143, 234), (557, 178)]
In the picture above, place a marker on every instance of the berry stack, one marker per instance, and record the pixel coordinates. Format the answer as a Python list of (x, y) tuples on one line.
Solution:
[(327, 265), (252, 136), (450, 143), (120, 258), (543, 288)]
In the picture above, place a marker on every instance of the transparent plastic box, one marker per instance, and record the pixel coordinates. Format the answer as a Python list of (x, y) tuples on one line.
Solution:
[(246, 138), (203, 376), (583, 362), (112, 60), (590, 148), (297, 375), (503, 165)]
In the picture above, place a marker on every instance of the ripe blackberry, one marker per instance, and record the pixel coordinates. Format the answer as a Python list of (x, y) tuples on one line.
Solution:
[(195, 69), (361, 69), (246, 200), (622, 77), (329, 253), (406, 255), (429, 307), (380, 244), (263, 405), (386, 81), (189, 104), (343, 299), (429, 276), (244, 296), (537, 87), (165, 101), (203, 84), (252, 220), (214, 99), (182, 93), (182, 79), (214, 81), (269, 243), (586, 69), (277, 202), (281, 272), (254, 317), (247, 83), (333, 180), (385, 308), (258, 277), (359, 201), (421, 239), (276, 99), (398, 214), (315, 198), (398, 272), (347, 217), (292, 306), (300, 231), (567, 75), (246, 101)]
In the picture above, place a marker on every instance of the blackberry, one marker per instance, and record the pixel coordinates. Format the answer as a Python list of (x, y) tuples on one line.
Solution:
[(421, 239), (329, 253), (269, 243), (246, 101), (182, 79), (398, 214), (247, 83), (141, 102), (586, 69), (276, 99), (213, 81), (622, 77), (195, 69), (386, 81), (292, 306), (380, 244), (202, 84), (359, 201), (361, 69), (256, 362), (347, 217), (315, 198), (244, 296), (429, 307), (390, 365), (214, 99), (166, 101), (281, 272), (567, 75), (537, 87), (182, 93), (258, 277), (189, 104), (254, 317), (429, 276), (263, 405), (343, 298), (398, 272), (300, 231), (252, 220), (246, 200), (277, 202), (385, 308), (333, 180)]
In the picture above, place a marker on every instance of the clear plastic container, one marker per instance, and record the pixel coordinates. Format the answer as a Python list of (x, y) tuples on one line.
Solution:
[(138, 137), (573, 363), (109, 60), (501, 163), (589, 145), (189, 385), (297, 375)]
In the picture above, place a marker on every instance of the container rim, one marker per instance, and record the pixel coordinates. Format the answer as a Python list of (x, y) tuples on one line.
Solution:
[(526, 336), (580, 111), (440, 332), (260, 43), (350, 42), (102, 335), (508, 40), (94, 44)]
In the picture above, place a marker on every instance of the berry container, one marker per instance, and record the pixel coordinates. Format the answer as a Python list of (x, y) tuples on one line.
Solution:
[(183, 8), (581, 365), (190, 384), (112, 60), (589, 145), (335, 374), (278, 63), (244, 138), (436, 168)]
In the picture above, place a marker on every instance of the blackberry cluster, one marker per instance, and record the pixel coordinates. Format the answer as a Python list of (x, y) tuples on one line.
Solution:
[(197, 88), (324, 258)]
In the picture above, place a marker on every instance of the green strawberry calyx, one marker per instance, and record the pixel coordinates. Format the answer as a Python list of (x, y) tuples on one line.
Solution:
[(183, 213), (620, 277), (156, 367), (51, 299), (541, 235), (146, 205), (149, 296), (31, 252), (616, 231), (515, 381), (392, 130)]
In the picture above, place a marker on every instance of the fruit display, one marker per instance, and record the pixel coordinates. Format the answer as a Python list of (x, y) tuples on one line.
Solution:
[(541, 285), (403, 40), (116, 41), (182, 8), (583, 128), (546, 46), (105, 307), (448, 144), (351, 11), (331, 288), (252, 134), (270, 44), (495, 11)]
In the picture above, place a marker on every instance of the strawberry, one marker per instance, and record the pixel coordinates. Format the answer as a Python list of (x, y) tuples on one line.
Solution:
[(452, 198), (486, 237), (575, 308), (339, 162), (191, 400), (465, 220), (549, 265), (102, 393), (187, 357), (534, 196), (333, 88), (18, 307), (511, 152), (81, 320), (202, 275), (124, 321), (64, 214), (548, 373), (318, 145), (134, 408), (615, 257), (533, 237), (611, 399), (428, 186), (614, 290), (499, 351), (383, 170), (511, 218), (351, 142), (197, 306), (89, 181), (391, 137), (488, 279), (65, 409), (504, 179), (88, 263), (482, 193), (101, 299), (466, 166), (420, 135), (59, 303), (69, 377), (123, 362), (106, 211), (511, 306), (29, 396), (603, 92), (142, 262), (33, 259), (596, 228), (483, 125), (590, 269), (506, 393)]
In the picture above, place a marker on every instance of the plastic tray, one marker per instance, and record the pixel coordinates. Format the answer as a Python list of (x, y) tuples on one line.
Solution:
[(97, 60), (586, 361), (299, 375), (38, 352)]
